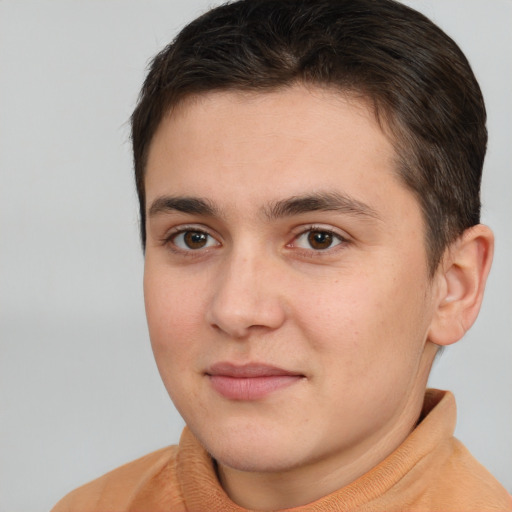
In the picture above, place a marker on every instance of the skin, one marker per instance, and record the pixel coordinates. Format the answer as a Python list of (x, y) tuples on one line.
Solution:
[(355, 320)]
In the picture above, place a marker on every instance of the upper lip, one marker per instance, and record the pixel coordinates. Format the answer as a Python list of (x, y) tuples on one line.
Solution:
[(248, 370)]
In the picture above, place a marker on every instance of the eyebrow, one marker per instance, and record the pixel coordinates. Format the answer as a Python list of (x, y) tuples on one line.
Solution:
[(322, 201), (183, 204), (296, 205)]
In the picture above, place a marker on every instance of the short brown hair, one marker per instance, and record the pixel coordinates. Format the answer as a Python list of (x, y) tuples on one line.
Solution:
[(418, 81)]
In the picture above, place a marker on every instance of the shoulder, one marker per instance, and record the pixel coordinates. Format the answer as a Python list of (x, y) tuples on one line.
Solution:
[(476, 484), (117, 489)]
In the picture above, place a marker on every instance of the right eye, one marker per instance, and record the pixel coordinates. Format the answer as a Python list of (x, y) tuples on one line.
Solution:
[(192, 240)]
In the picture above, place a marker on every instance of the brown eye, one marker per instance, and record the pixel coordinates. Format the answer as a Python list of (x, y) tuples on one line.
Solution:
[(193, 240), (320, 240)]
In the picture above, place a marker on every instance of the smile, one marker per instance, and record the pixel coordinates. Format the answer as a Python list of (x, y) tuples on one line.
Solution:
[(249, 382)]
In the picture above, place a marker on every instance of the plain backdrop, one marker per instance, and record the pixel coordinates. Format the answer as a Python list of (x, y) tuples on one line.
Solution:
[(80, 393)]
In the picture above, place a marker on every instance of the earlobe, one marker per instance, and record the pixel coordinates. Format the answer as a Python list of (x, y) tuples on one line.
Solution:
[(461, 282)]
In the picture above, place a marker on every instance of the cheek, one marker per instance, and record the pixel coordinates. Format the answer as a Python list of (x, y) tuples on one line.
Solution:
[(365, 319), (173, 313), (338, 311)]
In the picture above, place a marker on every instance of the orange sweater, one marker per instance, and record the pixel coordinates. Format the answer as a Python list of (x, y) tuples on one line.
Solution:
[(430, 471)]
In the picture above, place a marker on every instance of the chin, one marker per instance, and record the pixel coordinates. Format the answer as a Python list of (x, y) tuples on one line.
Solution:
[(252, 450), (249, 459)]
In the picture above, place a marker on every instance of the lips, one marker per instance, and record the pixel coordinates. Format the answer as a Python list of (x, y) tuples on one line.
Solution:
[(250, 381)]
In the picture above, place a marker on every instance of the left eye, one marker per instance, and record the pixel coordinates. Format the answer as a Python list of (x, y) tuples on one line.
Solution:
[(318, 239), (193, 240)]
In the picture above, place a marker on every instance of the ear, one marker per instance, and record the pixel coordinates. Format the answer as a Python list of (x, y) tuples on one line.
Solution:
[(461, 279)]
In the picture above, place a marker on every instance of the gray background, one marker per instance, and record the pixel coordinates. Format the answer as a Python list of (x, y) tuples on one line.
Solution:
[(79, 391)]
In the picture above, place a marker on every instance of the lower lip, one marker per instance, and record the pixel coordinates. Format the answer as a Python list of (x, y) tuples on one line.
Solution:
[(251, 388)]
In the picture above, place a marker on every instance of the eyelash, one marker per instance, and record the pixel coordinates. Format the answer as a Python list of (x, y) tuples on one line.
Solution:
[(170, 241)]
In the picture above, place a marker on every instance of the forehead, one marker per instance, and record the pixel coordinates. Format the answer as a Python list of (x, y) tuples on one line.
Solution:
[(240, 148)]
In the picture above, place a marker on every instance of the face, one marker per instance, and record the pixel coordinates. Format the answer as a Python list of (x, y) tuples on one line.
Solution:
[(286, 282)]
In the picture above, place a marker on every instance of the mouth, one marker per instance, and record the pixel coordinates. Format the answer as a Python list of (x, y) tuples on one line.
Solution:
[(250, 381)]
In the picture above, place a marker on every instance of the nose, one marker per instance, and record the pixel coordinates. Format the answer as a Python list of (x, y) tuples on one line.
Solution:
[(247, 297)]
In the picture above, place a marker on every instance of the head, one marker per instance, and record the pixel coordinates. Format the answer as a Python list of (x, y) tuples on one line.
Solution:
[(308, 175)]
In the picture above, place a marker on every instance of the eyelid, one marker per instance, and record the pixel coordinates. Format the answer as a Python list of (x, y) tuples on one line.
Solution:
[(304, 228)]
